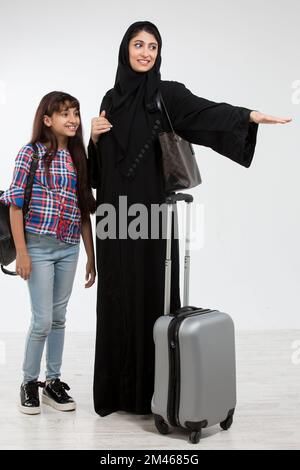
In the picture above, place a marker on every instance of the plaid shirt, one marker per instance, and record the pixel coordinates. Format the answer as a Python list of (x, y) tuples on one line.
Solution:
[(53, 208)]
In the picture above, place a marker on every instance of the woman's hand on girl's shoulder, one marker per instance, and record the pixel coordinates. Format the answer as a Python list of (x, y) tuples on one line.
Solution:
[(100, 125), (90, 273)]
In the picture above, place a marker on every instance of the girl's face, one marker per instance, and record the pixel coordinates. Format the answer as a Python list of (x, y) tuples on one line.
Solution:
[(143, 50), (64, 123)]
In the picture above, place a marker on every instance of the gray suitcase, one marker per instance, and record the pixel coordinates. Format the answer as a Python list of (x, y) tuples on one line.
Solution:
[(195, 377)]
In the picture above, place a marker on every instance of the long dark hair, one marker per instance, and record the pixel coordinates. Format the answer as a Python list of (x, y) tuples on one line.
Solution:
[(54, 102)]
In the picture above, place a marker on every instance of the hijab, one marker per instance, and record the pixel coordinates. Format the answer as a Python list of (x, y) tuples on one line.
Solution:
[(133, 100)]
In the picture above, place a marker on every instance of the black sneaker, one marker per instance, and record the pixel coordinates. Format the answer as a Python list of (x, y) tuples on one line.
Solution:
[(29, 393), (55, 395)]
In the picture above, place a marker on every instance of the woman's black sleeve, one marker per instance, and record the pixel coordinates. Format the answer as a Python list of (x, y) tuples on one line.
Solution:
[(220, 126), (94, 154)]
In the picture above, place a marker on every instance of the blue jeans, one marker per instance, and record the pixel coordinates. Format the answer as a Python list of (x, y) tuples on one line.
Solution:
[(50, 285)]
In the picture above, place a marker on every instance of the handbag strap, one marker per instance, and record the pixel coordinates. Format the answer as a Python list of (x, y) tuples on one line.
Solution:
[(29, 184), (161, 106)]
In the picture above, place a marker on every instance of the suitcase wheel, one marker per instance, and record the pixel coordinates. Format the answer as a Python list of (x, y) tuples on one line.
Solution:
[(195, 436), (227, 423), (161, 425)]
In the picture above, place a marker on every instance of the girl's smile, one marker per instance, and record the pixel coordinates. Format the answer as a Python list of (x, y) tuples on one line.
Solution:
[(71, 127)]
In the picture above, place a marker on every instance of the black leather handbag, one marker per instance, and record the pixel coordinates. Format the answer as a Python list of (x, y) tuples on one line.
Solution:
[(180, 168), (7, 246)]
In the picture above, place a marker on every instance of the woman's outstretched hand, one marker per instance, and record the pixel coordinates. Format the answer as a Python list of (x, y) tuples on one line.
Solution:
[(99, 126), (261, 118)]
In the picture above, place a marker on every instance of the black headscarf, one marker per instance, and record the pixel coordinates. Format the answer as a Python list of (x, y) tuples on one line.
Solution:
[(133, 100)]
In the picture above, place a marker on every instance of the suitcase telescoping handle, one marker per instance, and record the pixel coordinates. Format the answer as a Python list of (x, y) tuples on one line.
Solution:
[(173, 198), (171, 201)]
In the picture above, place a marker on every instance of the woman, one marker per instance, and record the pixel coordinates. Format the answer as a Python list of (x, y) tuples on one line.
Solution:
[(124, 160)]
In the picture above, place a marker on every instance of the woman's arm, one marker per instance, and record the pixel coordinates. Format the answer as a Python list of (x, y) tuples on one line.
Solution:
[(226, 129), (87, 237), (99, 125), (23, 260)]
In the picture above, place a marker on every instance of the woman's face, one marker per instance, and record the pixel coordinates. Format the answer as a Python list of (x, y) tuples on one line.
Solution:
[(143, 49)]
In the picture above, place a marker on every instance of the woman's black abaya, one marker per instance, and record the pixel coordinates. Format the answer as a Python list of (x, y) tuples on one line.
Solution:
[(127, 162)]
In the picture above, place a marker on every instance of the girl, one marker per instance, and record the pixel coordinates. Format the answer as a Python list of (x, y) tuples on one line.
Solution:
[(125, 159), (47, 250)]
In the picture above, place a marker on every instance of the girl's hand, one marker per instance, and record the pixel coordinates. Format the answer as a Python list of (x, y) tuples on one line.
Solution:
[(90, 273), (23, 265), (260, 118), (100, 125)]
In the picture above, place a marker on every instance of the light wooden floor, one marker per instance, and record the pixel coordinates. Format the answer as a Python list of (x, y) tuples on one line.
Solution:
[(267, 415)]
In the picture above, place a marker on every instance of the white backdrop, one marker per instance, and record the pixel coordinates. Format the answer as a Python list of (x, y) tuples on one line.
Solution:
[(244, 53)]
